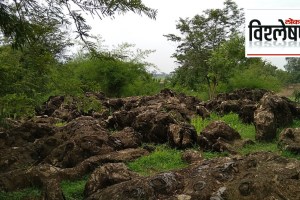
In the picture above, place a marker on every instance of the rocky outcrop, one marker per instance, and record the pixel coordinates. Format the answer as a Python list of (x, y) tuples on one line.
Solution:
[(289, 140), (242, 102), (182, 136), (273, 112), (68, 141), (107, 175), (258, 176), (192, 156), (217, 136)]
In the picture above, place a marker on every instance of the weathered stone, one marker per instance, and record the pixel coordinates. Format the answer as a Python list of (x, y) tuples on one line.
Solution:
[(265, 125), (246, 113), (209, 136), (191, 156), (202, 111), (256, 176), (289, 140), (107, 175), (126, 138), (182, 135), (229, 106), (160, 186), (273, 112)]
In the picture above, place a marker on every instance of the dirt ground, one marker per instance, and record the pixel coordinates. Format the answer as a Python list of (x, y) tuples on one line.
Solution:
[(288, 90)]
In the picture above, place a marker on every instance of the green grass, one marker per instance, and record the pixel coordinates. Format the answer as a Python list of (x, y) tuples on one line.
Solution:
[(28, 193), (296, 124), (247, 131), (73, 190), (162, 159), (259, 146), (232, 119)]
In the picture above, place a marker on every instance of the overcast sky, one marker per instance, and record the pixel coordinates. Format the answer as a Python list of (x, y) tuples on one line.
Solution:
[(148, 34)]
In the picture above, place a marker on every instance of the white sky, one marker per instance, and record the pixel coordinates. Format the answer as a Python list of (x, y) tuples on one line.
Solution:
[(148, 34)]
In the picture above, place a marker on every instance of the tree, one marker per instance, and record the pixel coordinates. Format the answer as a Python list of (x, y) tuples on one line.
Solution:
[(18, 18), (199, 37), (293, 67)]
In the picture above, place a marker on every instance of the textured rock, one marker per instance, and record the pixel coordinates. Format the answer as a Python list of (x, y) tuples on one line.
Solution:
[(191, 156), (289, 140), (107, 175), (214, 136), (272, 112), (257, 176), (182, 135), (126, 138), (265, 125)]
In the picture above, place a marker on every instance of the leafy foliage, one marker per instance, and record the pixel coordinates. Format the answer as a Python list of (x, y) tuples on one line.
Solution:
[(256, 76), (293, 67), (122, 72), (199, 37), (19, 19)]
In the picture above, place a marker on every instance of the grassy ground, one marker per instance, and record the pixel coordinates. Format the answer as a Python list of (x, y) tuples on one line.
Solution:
[(247, 131), (73, 190), (232, 119), (162, 159)]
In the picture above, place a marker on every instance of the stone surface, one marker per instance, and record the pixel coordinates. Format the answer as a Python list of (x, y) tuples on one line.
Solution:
[(214, 136), (257, 176), (192, 156), (272, 112), (182, 135), (107, 175), (289, 140)]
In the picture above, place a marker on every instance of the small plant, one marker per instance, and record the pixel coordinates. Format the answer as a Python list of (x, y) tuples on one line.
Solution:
[(162, 159)]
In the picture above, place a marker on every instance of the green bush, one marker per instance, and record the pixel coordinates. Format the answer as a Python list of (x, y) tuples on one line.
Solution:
[(254, 77), (16, 106), (114, 77)]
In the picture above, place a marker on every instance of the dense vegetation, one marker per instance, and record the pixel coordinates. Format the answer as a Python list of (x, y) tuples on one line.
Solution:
[(211, 55)]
